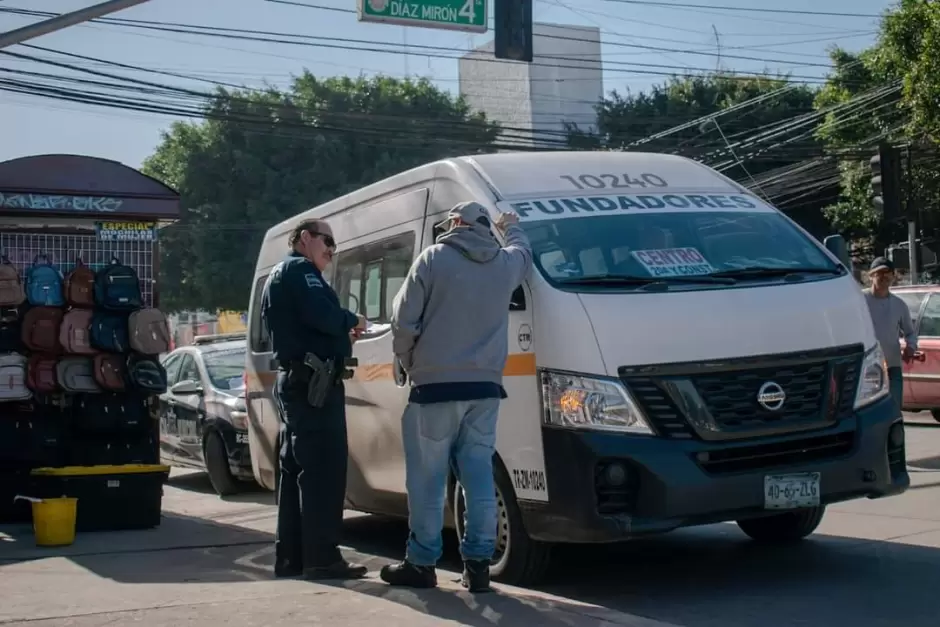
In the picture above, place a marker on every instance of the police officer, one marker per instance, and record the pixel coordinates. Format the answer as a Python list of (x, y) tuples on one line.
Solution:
[(303, 314)]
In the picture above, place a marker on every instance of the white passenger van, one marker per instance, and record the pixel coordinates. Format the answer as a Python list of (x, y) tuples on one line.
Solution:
[(682, 353)]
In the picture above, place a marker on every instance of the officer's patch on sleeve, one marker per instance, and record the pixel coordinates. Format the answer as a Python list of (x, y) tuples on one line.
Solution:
[(312, 280)]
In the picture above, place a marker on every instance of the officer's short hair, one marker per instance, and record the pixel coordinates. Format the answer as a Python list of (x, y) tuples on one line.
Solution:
[(306, 225)]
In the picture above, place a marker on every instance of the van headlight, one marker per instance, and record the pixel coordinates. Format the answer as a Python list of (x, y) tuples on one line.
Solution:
[(583, 402), (873, 381)]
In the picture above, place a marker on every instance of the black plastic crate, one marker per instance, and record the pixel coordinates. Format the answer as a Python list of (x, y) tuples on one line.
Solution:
[(110, 498)]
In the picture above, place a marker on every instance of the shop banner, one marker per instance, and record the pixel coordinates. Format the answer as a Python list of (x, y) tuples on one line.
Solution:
[(126, 231)]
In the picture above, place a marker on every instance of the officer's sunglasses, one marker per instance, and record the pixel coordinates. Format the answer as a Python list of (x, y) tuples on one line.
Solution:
[(327, 239)]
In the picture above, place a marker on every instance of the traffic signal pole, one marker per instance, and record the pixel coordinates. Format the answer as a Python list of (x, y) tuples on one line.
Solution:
[(19, 35), (911, 223)]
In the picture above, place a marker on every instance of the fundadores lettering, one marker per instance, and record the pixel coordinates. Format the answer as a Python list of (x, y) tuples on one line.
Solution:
[(591, 204)]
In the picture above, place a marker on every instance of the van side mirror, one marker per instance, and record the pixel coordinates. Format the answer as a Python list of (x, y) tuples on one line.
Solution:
[(517, 302), (837, 246)]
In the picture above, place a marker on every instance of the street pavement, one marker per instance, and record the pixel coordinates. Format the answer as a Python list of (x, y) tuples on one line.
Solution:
[(871, 564)]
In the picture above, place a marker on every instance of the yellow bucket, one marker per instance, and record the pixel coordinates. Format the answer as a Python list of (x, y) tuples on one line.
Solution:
[(54, 521)]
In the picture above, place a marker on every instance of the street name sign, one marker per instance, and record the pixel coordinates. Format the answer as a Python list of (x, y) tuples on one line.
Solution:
[(465, 15)]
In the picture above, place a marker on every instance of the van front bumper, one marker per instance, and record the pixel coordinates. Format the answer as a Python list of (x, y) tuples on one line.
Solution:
[(681, 483)]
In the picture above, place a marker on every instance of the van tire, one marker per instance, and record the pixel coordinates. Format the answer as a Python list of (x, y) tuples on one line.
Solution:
[(220, 475), (783, 528), (936, 414), (526, 560)]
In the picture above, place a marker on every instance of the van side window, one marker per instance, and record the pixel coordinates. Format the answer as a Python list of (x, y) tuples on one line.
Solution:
[(368, 277), (260, 340)]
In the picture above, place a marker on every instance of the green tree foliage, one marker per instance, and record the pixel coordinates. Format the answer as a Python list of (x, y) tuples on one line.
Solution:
[(903, 71), (909, 47), (260, 157), (859, 106), (624, 120)]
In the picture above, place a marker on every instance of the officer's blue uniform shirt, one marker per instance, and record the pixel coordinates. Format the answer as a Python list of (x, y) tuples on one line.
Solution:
[(303, 313)]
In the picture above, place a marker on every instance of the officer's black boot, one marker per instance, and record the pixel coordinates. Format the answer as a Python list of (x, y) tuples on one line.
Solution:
[(476, 576), (409, 575), (285, 568), (340, 570)]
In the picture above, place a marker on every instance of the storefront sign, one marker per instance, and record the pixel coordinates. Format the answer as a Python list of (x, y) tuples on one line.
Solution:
[(46, 202), (126, 231)]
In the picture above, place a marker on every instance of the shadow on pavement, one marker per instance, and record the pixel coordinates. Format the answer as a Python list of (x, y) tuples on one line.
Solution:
[(708, 577), (198, 482)]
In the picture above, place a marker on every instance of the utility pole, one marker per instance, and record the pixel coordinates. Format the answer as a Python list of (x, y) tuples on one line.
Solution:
[(19, 35)]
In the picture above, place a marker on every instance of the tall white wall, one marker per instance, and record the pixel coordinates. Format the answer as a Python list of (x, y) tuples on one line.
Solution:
[(562, 83)]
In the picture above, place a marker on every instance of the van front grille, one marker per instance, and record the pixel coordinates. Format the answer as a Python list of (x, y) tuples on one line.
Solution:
[(719, 400)]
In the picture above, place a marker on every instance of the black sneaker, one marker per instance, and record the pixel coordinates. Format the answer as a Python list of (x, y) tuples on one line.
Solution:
[(409, 575), (339, 570), (476, 576)]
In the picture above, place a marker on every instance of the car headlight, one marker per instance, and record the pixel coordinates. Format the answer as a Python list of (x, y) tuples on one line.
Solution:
[(590, 403), (873, 382)]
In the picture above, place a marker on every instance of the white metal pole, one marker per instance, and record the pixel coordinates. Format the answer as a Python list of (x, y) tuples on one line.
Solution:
[(19, 35)]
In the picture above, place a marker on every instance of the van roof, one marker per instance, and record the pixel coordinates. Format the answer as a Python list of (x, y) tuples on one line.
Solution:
[(513, 175), (526, 174)]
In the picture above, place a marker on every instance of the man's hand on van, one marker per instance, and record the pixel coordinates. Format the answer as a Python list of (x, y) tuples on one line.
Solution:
[(505, 220), (362, 324)]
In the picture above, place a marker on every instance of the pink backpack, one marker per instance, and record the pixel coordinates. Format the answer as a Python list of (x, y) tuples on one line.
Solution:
[(75, 332)]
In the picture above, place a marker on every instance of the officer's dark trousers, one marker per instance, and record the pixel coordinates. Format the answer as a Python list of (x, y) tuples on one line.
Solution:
[(312, 484)]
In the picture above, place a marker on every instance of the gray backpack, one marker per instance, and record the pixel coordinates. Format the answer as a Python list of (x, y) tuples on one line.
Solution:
[(77, 375)]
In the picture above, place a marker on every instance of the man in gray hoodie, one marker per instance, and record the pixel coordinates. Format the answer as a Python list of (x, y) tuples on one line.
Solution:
[(449, 324)]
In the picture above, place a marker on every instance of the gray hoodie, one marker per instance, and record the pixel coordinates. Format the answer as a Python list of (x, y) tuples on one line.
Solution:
[(450, 317)]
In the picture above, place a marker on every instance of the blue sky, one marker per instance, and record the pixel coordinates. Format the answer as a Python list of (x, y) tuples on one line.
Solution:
[(33, 125)]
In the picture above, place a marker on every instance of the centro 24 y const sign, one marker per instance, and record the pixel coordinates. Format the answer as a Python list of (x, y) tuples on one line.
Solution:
[(465, 15)]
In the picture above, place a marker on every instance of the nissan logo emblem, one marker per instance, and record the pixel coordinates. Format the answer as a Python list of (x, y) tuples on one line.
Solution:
[(771, 396)]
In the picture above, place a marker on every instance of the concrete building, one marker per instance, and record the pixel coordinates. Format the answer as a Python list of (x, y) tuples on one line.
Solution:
[(562, 84)]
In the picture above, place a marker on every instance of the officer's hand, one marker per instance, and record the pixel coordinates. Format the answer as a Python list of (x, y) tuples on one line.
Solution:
[(362, 324), (505, 220)]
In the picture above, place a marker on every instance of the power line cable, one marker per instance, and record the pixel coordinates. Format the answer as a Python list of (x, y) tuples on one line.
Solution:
[(714, 7)]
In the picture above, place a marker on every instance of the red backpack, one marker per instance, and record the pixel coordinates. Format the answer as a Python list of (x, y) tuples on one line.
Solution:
[(41, 374), (40, 330), (79, 286)]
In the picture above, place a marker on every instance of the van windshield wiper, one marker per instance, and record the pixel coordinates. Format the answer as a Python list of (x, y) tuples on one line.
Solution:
[(761, 271), (629, 279)]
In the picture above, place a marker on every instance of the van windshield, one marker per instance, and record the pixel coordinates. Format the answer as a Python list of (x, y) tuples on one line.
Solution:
[(671, 245)]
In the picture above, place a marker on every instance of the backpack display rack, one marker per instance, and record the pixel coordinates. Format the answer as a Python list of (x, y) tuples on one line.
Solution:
[(79, 367)]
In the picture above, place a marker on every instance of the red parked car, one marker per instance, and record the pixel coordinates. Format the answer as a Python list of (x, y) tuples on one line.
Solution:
[(922, 375)]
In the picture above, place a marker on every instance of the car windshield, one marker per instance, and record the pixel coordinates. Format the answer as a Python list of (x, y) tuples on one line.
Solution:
[(225, 368), (678, 245)]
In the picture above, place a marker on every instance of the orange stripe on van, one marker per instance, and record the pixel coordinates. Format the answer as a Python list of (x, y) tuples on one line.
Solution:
[(517, 365)]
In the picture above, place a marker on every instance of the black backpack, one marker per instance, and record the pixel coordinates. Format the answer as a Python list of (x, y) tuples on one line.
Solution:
[(146, 374), (117, 287), (109, 332), (10, 333)]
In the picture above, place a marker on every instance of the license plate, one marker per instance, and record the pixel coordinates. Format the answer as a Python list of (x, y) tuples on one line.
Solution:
[(791, 491)]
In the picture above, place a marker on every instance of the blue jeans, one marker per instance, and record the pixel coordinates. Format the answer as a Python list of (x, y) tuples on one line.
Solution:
[(436, 437), (896, 385)]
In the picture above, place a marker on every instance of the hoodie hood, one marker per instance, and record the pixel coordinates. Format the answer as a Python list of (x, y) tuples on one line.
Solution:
[(476, 243)]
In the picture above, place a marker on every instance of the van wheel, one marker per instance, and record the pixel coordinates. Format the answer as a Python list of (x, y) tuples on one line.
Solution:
[(217, 466), (936, 414), (783, 528), (519, 560)]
